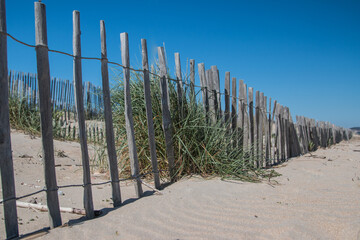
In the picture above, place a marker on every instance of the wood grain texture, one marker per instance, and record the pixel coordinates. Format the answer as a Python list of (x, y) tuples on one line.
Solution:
[(204, 88), (88, 201), (246, 122), (261, 129), (251, 120), (167, 122), (43, 70), (192, 81), (212, 96), (227, 99), (149, 114), (233, 105), (129, 121), (216, 91), (110, 140), (257, 128), (6, 161), (179, 84), (241, 113)]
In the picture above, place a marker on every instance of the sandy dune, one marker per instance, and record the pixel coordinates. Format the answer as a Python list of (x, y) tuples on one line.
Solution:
[(317, 197)]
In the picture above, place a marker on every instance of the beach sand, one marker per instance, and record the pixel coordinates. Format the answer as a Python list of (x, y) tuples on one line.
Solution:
[(316, 197)]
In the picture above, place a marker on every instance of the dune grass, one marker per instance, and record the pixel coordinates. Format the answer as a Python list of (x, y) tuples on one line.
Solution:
[(200, 148)]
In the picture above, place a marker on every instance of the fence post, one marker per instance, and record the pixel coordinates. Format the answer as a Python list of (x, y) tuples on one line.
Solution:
[(204, 88), (233, 105), (251, 119), (6, 161), (134, 162), (261, 129), (43, 70), (227, 100), (110, 142), (179, 84), (277, 110), (216, 90), (212, 98), (88, 202), (266, 131), (268, 145), (192, 81), (242, 109), (149, 114), (257, 126), (167, 123)]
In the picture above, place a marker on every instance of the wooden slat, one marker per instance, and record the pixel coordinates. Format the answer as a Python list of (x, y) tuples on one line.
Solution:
[(149, 114), (241, 113), (110, 141), (192, 81), (257, 127), (269, 128), (227, 99), (134, 162), (261, 129), (266, 132), (233, 105), (204, 88), (167, 122), (251, 120), (216, 90), (88, 201), (212, 95), (43, 70), (246, 122), (179, 84), (6, 161)]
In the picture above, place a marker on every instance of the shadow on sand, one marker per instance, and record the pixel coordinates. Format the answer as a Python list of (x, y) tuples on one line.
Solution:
[(98, 214)]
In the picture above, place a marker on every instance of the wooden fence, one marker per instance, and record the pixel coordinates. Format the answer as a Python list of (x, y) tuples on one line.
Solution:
[(266, 127), (25, 87)]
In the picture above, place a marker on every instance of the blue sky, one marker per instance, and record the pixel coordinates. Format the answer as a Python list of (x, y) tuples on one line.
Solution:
[(305, 54)]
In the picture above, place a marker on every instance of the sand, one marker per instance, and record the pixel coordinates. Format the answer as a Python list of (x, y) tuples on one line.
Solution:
[(317, 197)]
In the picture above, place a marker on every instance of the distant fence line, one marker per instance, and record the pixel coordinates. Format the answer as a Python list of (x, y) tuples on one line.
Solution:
[(25, 86), (265, 126)]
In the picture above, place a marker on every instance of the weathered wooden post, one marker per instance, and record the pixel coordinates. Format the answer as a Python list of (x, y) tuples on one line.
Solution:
[(43, 70), (6, 161), (216, 90), (241, 113), (251, 120), (88, 201), (192, 81), (227, 99), (246, 121), (179, 84), (134, 162), (233, 105), (268, 146), (261, 129), (149, 114), (204, 88), (110, 141), (167, 122), (257, 126), (212, 94)]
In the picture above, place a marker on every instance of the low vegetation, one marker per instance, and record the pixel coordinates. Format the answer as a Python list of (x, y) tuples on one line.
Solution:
[(200, 147)]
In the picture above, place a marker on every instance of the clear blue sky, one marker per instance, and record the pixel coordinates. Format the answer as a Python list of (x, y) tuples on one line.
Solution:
[(305, 53)]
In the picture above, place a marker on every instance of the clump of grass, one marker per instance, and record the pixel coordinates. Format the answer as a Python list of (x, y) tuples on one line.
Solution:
[(26, 117), (23, 116), (200, 147)]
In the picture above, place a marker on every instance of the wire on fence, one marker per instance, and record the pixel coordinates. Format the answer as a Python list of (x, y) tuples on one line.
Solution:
[(120, 65)]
